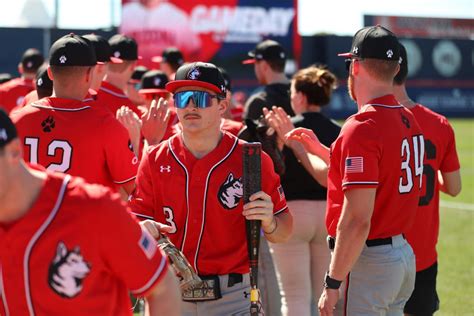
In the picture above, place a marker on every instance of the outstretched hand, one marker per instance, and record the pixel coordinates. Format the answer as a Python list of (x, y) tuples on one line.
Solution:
[(307, 138), (155, 121), (279, 120)]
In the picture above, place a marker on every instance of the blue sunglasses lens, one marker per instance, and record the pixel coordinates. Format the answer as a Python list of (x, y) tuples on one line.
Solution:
[(201, 99)]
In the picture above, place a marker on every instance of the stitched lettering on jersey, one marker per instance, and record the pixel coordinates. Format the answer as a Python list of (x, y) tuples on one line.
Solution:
[(67, 271), (230, 192)]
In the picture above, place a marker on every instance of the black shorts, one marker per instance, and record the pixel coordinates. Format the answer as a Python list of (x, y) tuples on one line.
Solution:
[(424, 299)]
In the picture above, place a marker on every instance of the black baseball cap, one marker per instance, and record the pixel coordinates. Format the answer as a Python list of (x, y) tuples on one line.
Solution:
[(374, 42), (266, 50), (7, 129), (102, 49), (227, 80), (32, 59), (72, 50), (199, 74), (43, 82), (153, 81), (124, 47), (5, 77), (138, 73), (170, 55)]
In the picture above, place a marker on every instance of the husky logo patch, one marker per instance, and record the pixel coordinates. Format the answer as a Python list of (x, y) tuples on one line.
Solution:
[(230, 192), (194, 74), (67, 271)]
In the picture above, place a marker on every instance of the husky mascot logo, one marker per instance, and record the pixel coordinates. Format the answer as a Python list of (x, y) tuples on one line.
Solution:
[(67, 271), (194, 74), (230, 192)]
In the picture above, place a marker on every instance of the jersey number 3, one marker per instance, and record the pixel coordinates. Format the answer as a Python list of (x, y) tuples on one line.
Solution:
[(417, 150), (53, 146)]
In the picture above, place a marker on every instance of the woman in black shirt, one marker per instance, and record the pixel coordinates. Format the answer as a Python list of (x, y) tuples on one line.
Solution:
[(302, 262)]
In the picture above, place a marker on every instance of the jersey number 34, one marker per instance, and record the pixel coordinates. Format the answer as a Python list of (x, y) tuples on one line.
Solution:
[(411, 151)]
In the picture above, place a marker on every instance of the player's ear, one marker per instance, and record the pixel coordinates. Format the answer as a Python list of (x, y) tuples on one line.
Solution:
[(50, 73), (355, 67), (223, 104)]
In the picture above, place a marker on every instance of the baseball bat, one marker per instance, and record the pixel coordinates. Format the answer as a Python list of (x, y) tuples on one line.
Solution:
[(251, 179)]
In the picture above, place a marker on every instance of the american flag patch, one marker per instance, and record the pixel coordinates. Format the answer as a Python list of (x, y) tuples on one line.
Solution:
[(354, 164), (147, 244), (281, 192)]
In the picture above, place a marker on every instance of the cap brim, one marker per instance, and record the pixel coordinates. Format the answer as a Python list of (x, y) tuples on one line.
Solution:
[(249, 61), (174, 85), (152, 91), (115, 60), (346, 55), (157, 59)]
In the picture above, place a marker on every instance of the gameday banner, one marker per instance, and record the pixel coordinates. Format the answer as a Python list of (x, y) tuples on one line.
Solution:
[(209, 29), (405, 26)]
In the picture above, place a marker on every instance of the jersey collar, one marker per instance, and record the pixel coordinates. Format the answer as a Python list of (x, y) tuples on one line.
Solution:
[(111, 89), (385, 101), (60, 104)]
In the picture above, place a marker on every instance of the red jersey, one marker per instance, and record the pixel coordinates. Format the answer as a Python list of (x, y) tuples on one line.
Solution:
[(13, 92), (69, 136), (61, 257), (440, 154), (379, 147), (113, 98), (201, 200)]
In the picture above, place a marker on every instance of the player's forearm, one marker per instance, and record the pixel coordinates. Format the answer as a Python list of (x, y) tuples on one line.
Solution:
[(165, 298), (314, 165), (350, 240), (280, 230), (450, 182)]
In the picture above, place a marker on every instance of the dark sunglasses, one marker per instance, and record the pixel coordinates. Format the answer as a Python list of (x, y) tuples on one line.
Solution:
[(201, 99), (136, 85), (348, 62)]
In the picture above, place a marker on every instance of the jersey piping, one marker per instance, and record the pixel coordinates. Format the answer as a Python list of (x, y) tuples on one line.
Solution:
[(35, 238)]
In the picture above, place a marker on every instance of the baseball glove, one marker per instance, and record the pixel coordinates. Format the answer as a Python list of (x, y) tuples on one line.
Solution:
[(188, 278)]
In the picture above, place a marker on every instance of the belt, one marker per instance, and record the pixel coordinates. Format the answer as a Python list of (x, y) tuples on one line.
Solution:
[(234, 278), (368, 243)]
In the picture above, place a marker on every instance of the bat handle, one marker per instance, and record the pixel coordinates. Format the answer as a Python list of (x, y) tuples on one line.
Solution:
[(254, 302)]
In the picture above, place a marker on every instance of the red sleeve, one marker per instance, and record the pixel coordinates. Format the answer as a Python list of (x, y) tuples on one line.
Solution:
[(121, 160), (271, 185), (450, 160), (142, 199), (129, 251), (360, 153)]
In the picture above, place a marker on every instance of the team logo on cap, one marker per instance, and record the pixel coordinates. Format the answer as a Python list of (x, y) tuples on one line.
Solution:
[(230, 192), (39, 82), (282, 55), (355, 50), (157, 81), (62, 59), (194, 74), (29, 64), (222, 88), (117, 54), (389, 53)]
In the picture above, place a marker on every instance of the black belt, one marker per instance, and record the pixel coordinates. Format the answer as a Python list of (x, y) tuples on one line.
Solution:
[(234, 278), (369, 242)]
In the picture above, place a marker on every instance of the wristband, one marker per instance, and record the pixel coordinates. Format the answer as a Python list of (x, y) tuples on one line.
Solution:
[(273, 230), (330, 283)]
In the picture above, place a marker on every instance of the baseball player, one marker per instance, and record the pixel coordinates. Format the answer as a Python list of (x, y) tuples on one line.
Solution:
[(112, 90), (44, 88), (64, 134), (170, 60), (269, 59), (13, 91), (133, 85), (441, 172), (50, 266), (374, 183), (190, 187)]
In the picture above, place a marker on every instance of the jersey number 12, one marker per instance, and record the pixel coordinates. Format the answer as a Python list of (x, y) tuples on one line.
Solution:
[(417, 150), (53, 146)]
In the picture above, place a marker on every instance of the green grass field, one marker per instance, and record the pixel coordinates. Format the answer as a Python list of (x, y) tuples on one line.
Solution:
[(456, 240)]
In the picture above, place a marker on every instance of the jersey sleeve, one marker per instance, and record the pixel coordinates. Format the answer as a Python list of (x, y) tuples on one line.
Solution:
[(142, 199), (129, 250), (360, 153), (450, 160), (121, 161), (272, 186)]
